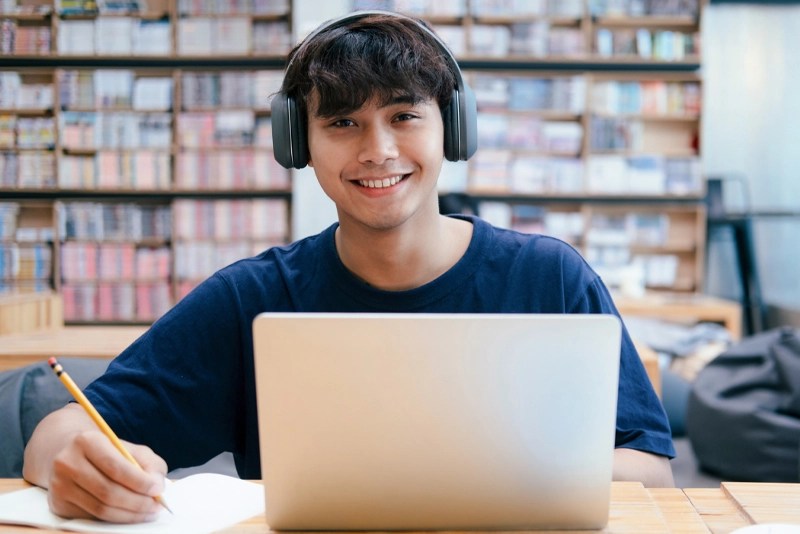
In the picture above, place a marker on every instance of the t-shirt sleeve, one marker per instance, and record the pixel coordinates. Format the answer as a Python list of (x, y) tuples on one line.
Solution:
[(641, 421), (175, 388)]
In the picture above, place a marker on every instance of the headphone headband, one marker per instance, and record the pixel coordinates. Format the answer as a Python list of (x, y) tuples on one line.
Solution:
[(332, 24)]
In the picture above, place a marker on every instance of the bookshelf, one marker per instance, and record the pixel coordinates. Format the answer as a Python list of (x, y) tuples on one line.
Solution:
[(589, 116), (563, 148), (28, 250), (134, 166)]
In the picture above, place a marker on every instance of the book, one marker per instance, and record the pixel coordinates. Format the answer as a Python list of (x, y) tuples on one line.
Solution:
[(9, 171), (491, 41), (529, 38), (645, 175), (113, 36), (152, 37), (194, 36), (232, 36), (271, 37), (205, 502), (152, 94), (604, 42), (79, 305), (496, 213), (455, 37), (76, 37), (37, 170)]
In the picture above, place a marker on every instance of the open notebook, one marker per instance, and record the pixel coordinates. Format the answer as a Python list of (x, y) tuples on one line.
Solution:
[(200, 503), (436, 422)]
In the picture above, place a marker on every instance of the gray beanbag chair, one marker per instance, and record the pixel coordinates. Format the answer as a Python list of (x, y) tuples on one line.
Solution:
[(743, 414)]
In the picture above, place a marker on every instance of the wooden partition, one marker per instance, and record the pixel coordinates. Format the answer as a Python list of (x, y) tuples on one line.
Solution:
[(29, 312)]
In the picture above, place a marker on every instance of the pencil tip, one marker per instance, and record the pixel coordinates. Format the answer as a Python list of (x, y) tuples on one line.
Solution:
[(164, 504)]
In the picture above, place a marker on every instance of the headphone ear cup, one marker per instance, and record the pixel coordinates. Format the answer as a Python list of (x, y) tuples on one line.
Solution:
[(460, 125), (469, 137), (451, 133), (289, 144), (299, 137)]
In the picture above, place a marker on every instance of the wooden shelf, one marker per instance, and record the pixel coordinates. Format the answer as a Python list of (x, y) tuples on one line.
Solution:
[(138, 194), (650, 21), (523, 19), (27, 17), (584, 197)]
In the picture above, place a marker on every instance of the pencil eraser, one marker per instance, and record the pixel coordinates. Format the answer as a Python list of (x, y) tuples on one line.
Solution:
[(52, 361)]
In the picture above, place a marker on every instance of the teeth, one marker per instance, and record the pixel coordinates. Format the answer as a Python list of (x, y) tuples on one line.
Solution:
[(377, 184)]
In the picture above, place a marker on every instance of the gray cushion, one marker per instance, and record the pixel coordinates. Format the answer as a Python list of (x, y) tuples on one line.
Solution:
[(27, 395)]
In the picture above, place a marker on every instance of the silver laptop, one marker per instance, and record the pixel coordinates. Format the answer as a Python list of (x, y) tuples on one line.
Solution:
[(436, 422)]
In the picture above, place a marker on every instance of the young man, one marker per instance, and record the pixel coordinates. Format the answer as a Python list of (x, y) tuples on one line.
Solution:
[(370, 91)]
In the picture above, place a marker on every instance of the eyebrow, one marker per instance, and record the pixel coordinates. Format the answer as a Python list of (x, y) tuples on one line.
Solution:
[(394, 100), (405, 98)]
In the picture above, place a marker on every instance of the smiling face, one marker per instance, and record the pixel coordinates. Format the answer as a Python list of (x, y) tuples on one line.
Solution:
[(371, 89), (380, 163)]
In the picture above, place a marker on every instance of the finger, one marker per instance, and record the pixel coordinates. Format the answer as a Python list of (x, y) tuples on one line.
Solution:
[(92, 476), (148, 460), (79, 503), (121, 472), (110, 462)]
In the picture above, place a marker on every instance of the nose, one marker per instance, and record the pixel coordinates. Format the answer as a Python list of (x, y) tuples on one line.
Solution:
[(378, 144)]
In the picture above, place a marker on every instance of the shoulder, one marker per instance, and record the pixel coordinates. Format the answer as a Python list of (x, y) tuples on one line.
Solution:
[(260, 282), (545, 270)]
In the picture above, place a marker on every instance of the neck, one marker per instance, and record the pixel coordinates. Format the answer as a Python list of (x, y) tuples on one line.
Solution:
[(400, 259)]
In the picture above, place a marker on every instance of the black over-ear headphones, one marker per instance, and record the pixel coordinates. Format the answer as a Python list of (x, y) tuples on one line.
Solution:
[(289, 141)]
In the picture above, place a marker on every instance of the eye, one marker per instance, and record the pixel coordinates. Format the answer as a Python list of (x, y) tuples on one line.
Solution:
[(342, 123), (405, 117)]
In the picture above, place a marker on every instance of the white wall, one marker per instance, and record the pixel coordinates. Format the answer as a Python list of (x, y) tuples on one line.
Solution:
[(751, 129)]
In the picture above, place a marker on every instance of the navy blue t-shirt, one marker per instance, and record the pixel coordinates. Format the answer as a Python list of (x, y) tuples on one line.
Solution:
[(186, 388)]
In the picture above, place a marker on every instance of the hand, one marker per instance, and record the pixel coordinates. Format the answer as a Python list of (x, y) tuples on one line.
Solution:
[(91, 479)]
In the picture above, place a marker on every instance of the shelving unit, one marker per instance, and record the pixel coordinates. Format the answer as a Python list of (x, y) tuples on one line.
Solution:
[(544, 163), (589, 120), (151, 166)]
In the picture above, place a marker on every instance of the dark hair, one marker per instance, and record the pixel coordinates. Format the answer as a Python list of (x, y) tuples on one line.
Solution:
[(378, 56)]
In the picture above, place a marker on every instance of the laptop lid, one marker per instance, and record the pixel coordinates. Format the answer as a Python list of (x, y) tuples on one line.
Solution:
[(436, 421)]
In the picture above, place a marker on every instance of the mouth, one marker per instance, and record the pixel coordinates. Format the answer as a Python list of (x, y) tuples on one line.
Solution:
[(382, 183)]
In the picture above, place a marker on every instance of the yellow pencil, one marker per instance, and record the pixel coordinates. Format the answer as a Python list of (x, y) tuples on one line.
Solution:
[(73, 388)]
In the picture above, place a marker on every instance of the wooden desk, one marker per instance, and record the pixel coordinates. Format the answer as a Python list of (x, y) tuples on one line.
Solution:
[(17, 350), (690, 307), (635, 509)]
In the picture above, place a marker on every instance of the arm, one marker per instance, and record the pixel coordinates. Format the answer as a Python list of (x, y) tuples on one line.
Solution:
[(86, 475), (650, 469), (643, 441)]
